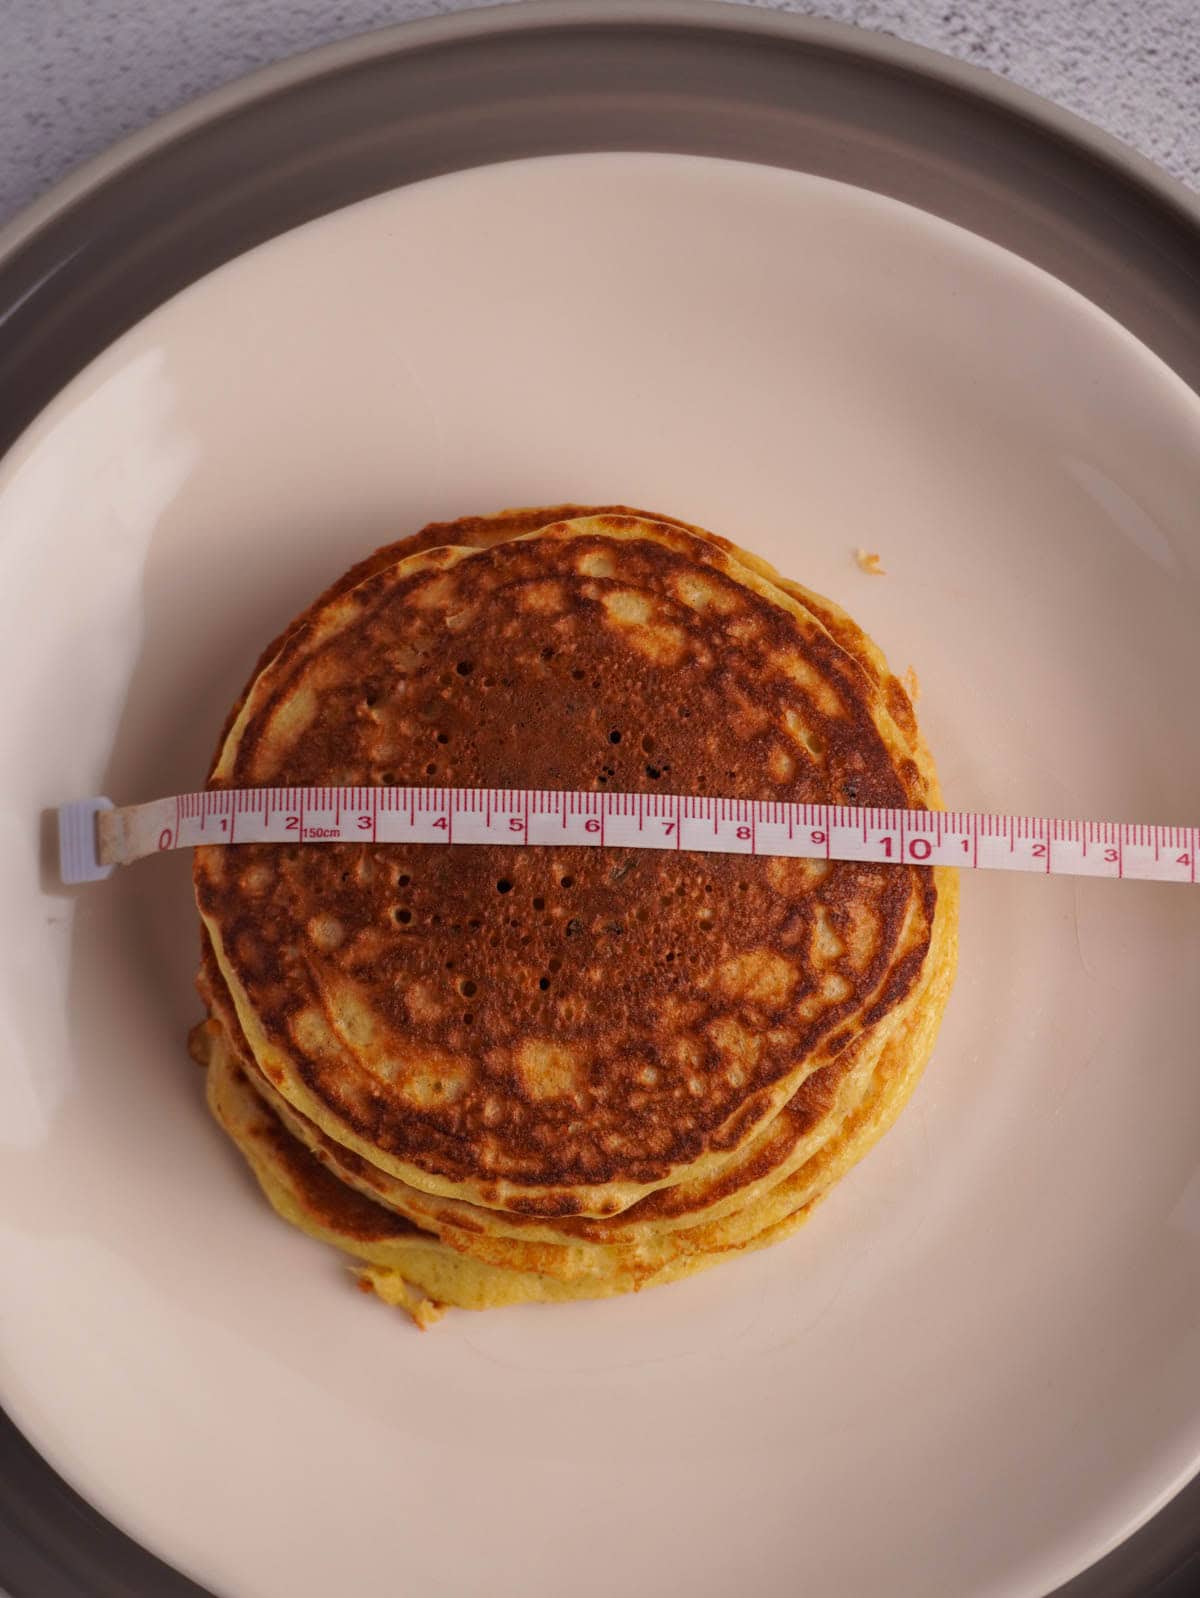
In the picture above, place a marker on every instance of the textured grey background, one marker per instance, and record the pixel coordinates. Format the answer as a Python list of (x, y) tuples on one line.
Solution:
[(75, 75)]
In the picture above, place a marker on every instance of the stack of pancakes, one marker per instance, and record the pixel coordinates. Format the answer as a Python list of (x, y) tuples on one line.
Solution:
[(496, 1075)]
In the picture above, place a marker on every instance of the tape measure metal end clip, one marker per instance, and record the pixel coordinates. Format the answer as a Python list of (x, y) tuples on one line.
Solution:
[(79, 841)]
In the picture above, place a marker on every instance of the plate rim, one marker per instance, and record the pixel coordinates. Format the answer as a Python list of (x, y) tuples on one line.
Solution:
[(518, 16)]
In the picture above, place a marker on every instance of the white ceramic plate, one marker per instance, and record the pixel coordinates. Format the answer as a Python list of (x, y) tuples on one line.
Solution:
[(976, 1369)]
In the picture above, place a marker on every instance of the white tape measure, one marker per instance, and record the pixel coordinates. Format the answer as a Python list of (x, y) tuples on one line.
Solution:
[(94, 836)]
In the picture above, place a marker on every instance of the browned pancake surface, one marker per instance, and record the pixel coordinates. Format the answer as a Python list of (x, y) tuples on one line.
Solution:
[(565, 1017)]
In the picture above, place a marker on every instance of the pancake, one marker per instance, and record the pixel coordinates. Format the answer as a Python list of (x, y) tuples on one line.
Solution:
[(805, 1122), (402, 1264), (482, 532), (483, 1239), (808, 1119), (562, 1033), (421, 1273)]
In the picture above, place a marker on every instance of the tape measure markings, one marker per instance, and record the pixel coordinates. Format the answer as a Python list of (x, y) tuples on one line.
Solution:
[(95, 836)]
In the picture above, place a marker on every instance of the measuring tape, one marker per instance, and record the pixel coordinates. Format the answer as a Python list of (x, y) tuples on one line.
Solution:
[(95, 836)]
